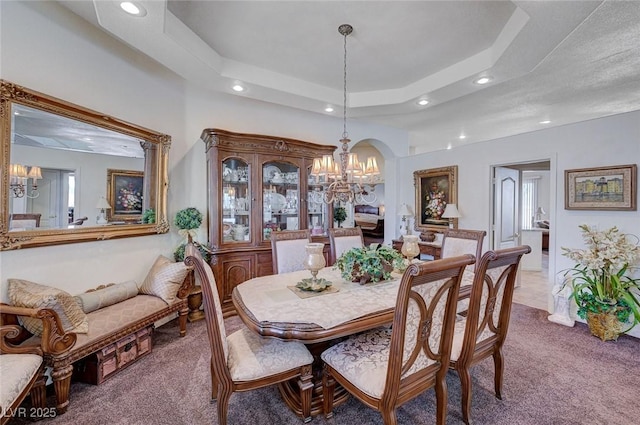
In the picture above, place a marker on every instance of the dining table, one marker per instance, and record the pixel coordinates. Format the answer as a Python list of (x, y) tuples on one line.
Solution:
[(272, 306)]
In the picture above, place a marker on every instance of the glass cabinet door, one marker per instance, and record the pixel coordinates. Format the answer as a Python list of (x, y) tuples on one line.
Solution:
[(318, 218), (280, 197), (236, 201)]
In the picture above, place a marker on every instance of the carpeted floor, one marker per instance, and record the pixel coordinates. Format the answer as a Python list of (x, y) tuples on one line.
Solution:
[(553, 375)]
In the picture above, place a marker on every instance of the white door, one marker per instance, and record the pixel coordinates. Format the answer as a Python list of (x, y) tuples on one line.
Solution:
[(48, 202), (506, 199)]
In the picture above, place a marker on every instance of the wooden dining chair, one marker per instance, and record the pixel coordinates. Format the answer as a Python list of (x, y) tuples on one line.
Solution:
[(387, 367), (461, 241), (482, 332), (245, 361), (342, 239), (288, 250)]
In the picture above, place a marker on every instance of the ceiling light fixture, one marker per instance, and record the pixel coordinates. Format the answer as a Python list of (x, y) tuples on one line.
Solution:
[(344, 181), (328, 109), (483, 80), (423, 102), (462, 137), (238, 88), (545, 122), (133, 8)]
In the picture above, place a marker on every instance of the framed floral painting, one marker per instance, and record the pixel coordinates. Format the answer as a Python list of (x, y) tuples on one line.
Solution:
[(124, 193), (435, 188)]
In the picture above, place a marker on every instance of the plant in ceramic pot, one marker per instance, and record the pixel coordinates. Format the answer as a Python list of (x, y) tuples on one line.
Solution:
[(188, 220), (607, 295), (369, 264)]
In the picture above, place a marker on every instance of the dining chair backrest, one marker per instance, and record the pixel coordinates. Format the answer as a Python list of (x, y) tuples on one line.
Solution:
[(342, 239), (484, 330), (212, 309), (288, 250), (460, 241)]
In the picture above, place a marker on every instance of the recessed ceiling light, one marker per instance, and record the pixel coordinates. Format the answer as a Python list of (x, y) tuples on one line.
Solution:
[(462, 137), (328, 109), (545, 122), (483, 80), (449, 146), (133, 8), (423, 102), (238, 88)]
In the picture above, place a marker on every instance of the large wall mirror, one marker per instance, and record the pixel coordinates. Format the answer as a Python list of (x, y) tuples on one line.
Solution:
[(70, 174)]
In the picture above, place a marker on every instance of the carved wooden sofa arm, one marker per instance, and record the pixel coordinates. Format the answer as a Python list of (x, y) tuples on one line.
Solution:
[(23, 366)]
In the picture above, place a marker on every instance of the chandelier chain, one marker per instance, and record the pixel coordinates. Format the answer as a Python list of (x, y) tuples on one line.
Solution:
[(345, 135)]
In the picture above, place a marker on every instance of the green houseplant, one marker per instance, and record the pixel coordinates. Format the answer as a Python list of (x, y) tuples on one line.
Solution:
[(149, 216), (340, 215), (188, 220), (602, 286), (369, 264)]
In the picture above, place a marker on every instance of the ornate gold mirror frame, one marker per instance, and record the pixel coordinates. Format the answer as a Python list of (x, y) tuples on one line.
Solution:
[(152, 193)]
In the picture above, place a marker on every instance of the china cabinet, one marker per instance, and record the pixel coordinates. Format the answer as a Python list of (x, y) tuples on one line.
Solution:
[(256, 185)]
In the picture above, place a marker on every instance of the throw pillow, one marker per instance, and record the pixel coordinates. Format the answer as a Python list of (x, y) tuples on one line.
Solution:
[(94, 300), (164, 279), (23, 293)]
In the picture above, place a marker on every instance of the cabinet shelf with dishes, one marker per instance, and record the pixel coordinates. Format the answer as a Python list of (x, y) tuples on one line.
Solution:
[(256, 185)]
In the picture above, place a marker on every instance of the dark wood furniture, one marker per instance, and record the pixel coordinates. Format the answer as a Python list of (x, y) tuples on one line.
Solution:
[(369, 229), (410, 362), (487, 319), (427, 248), (283, 361), (261, 183)]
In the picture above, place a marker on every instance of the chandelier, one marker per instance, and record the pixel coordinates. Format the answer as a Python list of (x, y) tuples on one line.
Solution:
[(19, 177), (348, 180)]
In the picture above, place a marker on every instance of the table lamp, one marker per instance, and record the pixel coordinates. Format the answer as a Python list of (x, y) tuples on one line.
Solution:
[(451, 212), (539, 213), (405, 211), (102, 205)]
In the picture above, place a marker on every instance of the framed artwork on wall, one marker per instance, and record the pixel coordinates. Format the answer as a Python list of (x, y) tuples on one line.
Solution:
[(124, 194), (435, 188), (602, 188)]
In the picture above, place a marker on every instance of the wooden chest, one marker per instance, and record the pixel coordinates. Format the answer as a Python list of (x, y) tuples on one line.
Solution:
[(103, 364)]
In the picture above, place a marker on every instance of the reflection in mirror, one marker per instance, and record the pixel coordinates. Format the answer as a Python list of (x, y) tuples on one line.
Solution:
[(74, 174)]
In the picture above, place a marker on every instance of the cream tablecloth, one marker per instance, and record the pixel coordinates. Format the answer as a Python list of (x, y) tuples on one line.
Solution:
[(269, 299)]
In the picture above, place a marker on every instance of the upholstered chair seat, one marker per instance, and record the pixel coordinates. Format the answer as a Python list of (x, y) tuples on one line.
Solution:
[(18, 371), (252, 357)]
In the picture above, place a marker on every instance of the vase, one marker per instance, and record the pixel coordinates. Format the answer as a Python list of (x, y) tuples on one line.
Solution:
[(410, 248), (315, 259), (605, 326)]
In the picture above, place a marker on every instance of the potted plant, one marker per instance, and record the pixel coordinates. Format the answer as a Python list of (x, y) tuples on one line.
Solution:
[(340, 215), (369, 264), (188, 220), (602, 286), (149, 216)]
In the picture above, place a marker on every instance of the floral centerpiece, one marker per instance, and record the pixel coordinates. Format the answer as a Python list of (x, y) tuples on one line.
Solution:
[(369, 264), (606, 294)]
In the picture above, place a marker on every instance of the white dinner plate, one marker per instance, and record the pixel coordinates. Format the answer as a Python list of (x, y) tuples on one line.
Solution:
[(277, 202), (268, 172)]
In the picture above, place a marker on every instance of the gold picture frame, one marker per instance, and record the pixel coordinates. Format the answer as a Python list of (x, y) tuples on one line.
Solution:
[(435, 188), (602, 188), (125, 194)]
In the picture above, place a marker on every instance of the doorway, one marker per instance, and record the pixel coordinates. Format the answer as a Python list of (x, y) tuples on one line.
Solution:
[(522, 205)]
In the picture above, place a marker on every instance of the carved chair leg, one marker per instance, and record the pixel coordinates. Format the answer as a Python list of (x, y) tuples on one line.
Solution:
[(465, 396), (182, 320), (328, 389), (62, 382), (214, 382), (306, 387), (223, 405), (38, 392), (441, 396)]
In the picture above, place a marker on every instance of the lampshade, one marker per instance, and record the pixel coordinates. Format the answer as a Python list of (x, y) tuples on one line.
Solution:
[(102, 203), (451, 211), (405, 211), (540, 210), (35, 173)]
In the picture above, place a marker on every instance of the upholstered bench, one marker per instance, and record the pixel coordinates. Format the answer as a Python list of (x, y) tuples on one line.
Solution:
[(105, 316)]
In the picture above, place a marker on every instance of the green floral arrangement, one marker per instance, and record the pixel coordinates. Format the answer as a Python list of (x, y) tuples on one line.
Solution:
[(369, 264), (149, 216), (188, 218), (601, 278)]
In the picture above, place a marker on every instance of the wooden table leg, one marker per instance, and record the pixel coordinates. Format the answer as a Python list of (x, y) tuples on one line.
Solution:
[(291, 393)]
